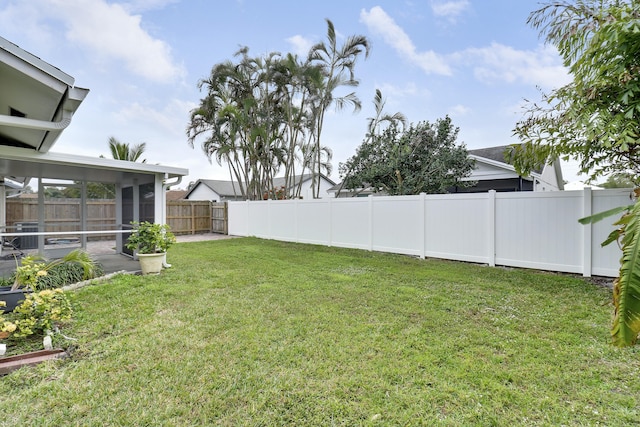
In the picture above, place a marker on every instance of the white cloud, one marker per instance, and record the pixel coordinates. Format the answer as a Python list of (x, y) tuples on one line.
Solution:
[(498, 63), (110, 32), (170, 121), (449, 9), (459, 110), (382, 24), (300, 45), (142, 5), (410, 89), (12, 21)]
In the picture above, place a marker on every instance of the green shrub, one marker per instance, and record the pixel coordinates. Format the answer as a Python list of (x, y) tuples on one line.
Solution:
[(41, 312), (65, 274)]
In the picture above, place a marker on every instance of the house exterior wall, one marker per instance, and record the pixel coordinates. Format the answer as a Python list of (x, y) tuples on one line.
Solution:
[(307, 191), (548, 180), (202, 192), (483, 172)]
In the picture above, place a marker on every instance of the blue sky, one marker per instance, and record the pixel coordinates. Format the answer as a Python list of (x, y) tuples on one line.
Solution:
[(475, 60)]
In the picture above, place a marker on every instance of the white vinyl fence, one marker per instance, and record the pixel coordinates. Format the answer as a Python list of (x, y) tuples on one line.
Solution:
[(523, 229)]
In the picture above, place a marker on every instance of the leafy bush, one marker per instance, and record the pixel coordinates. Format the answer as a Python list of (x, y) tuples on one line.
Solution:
[(65, 274), (36, 273), (7, 281), (41, 312)]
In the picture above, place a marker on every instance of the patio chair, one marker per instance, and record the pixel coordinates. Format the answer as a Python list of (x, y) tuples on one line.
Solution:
[(12, 243)]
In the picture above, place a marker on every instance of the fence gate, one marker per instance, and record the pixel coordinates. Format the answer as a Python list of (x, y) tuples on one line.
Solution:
[(219, 218)]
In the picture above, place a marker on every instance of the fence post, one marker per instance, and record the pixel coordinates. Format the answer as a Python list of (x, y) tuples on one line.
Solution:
[(295, 220), (226, 218), (422, 228), (371, 230), (330, 215), (587, 196), (491, 198), (193, 218)]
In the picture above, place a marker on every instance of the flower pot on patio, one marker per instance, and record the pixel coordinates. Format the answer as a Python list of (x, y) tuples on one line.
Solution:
[(151, 263), (150, 241)]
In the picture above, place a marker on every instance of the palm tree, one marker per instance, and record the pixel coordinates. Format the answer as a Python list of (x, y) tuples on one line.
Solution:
[(337, 65), (374, 127), (122, 151)]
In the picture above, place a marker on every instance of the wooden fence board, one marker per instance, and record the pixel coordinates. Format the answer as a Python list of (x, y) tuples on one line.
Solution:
[(183, 216)]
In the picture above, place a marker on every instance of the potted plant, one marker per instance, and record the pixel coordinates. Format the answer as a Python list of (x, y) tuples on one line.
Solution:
[(150, 243)]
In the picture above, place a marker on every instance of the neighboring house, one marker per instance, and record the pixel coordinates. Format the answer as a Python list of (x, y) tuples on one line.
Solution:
[(214, 190), (37, 102), (492, 172), (223, 191), (337, 191)]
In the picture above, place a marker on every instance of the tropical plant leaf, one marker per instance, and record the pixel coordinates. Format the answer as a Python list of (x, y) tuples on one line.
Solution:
[(626, 291), (602, 215), (613, 237)]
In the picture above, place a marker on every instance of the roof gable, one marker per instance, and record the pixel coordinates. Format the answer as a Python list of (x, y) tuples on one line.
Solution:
[(37, 100)]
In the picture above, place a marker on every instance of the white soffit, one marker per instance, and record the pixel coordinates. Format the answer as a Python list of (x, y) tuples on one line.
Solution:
[(20, 162)]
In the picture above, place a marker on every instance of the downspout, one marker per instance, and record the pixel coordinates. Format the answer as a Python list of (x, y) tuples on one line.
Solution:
[(165, 186)]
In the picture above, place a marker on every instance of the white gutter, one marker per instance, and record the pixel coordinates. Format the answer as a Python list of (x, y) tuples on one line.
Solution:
[(23, 122)]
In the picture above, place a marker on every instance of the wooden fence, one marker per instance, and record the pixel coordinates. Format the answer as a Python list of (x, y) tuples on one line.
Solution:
[(183, 216), (219, 218)]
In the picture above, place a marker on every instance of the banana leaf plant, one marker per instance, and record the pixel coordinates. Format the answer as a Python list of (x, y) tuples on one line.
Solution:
[(626, 288)]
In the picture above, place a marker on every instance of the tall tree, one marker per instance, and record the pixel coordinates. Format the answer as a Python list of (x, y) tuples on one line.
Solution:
[(620, 180), (425, 158), (264, 115), (374, 127), (337, 64), (595, 119)]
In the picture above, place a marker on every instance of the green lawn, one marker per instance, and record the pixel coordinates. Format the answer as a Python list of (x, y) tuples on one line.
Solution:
[(260, 333)]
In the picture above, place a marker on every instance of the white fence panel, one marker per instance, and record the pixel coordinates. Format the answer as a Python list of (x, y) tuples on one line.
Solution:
[(531, 230), (313, 221), (238, 219), (540, 230), (351, 223), (282, 220), (397, 225), (258, 217), (457, 227), (606, 261)]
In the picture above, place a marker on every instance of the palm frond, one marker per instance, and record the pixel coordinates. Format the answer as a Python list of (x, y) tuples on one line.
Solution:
[(626, 291)]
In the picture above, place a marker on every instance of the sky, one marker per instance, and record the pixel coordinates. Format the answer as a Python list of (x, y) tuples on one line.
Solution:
[(476, 61)]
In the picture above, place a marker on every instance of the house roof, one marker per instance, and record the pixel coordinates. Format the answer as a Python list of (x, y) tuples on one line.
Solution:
[(220, 187), (37, 100), (232, 188), (500, 153)]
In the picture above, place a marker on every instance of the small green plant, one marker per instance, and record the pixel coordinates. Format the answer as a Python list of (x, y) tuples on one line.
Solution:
[(65, 274), (6, 327), (41, 312), (149, 238), (33, 268)]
